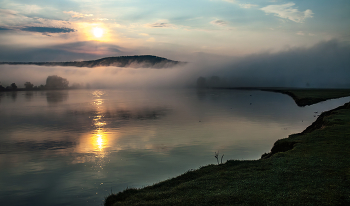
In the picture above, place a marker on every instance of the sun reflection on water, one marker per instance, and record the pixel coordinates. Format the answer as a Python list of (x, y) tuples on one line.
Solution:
[(99, 136), (94, 144), (99, 141)]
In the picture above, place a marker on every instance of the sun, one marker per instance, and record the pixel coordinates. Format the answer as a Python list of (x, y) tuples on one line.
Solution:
[(98, 32)]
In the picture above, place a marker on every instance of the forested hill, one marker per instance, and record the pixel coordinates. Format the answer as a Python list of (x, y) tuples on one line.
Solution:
[(144, 61)]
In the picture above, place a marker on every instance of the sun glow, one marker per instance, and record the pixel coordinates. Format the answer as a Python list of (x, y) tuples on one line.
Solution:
[(98, 32), (95, 32)]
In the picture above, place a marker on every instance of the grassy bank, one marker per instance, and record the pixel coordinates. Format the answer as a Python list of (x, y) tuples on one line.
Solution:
[(310, 168)]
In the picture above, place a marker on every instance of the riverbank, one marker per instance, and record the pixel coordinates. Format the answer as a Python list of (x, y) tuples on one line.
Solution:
[(309, 168), (306, 97), (301, 96)]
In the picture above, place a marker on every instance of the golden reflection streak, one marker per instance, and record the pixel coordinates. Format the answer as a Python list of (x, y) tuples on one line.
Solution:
[(99, 141), (99, 137), (96, 141)]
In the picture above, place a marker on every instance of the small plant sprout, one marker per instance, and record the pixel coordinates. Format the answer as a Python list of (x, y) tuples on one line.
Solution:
[(217, 157)]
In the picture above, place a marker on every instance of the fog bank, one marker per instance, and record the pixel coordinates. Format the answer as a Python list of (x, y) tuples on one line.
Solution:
[(325, 65)]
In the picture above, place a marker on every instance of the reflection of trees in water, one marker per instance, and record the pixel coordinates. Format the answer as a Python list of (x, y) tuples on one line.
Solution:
[(1, 96), (140, 114), (205, 94), (201, 94), (29, 95), (13, 95), (54, 97), (148, 114)]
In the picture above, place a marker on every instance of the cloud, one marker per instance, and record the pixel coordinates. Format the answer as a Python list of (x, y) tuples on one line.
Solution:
[(247, 6), (231, 1), (85, 50), (45, 30), (286, 11), (151, 39), (29, 8), (92, 47), (160, 25), (75, 14), (101, 19), (219, 22), (4, 29), (223, 24), (12, 18), (7, 12), (17, 21), (301, 33)]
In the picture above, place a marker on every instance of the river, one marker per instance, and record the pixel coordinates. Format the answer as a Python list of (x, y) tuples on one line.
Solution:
[(75, 147)]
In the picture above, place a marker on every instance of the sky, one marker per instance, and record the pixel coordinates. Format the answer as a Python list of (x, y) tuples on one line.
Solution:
[(71, 30)]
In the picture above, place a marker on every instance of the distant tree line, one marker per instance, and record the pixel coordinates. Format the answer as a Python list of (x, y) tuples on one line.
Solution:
[(52, 82)]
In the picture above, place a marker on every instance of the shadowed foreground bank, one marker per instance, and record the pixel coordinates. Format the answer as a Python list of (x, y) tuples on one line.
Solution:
[(310, 168)]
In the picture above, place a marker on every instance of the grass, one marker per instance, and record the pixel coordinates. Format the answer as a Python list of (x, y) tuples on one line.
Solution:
[(310, 168)]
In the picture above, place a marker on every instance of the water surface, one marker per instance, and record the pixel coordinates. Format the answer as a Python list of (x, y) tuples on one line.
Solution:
[(75, 147)]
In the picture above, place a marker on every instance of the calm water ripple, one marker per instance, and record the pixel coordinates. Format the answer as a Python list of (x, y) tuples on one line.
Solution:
[(74, 147)]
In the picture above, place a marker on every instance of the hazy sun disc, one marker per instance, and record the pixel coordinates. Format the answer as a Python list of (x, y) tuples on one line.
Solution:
[(98, 32)]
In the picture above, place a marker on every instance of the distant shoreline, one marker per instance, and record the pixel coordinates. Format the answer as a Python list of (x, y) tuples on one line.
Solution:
[(301, 96)]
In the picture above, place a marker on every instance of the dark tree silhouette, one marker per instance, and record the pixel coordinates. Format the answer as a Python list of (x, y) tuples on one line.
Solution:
[(28, 85), (13, 86), (201, 82), (56, 82), (215, 81)]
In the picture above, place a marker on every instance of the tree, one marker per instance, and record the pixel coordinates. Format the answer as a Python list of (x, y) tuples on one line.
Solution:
[(14, 86), (29, 85), (201, 82), (76, 86), (1, 87), (215, 81), (56, 82)]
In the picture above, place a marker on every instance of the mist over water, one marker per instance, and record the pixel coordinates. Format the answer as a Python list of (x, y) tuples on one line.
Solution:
[(325, 65)]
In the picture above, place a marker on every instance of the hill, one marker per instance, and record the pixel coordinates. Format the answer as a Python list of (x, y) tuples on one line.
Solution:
[(144, 61)]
